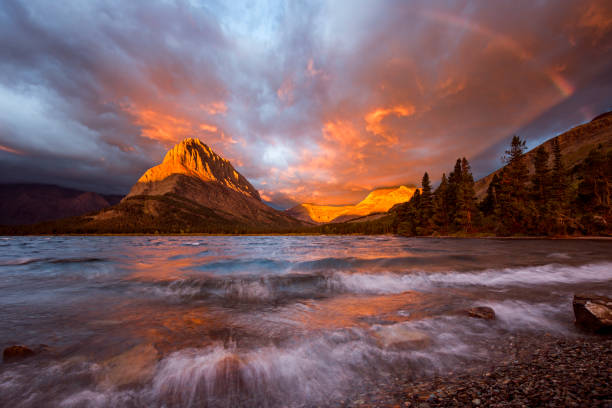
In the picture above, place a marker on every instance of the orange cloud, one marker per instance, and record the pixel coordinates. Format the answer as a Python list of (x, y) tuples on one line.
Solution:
[(9, 150), (598, 18), (214, 108), (166, 127), (344, 133), (375, 118), (160, 126), (208, 128), (450, 87)]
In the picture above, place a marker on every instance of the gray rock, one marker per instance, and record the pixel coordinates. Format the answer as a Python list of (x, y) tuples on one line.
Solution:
[(593, 313)]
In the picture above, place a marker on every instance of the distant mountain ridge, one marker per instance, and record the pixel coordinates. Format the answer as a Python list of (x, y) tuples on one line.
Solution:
[(377, 201), (29, 203), (193, 190)]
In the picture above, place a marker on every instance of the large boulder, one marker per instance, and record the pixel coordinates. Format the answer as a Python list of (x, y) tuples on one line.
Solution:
[(16, 353), (593, 313)]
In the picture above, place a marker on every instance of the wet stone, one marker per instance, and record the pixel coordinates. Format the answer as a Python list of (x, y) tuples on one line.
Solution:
[(593, 313), (16, 353), (482, 312), (401, 336)]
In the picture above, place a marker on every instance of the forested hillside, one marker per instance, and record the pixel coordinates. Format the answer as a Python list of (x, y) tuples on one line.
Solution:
[(542, 192)]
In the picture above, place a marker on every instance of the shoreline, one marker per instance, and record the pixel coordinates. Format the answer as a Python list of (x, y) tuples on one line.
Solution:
[(538, 371), (272, 234)]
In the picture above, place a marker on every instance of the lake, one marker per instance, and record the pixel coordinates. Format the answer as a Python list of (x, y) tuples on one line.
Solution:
[(270, 320)]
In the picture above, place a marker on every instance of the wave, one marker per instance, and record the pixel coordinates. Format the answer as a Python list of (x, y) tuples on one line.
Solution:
[(249, 289), (19, 261), (247, 266), (316, 369), (76, 260), (27, 261), (316, 284), (328, 264), (524, 276)]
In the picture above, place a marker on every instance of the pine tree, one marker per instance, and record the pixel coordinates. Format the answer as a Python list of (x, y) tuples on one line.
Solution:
[(488, 205), (425, 207), (465, 200), (469, 195), (540, 182), (559, 181), (559, 191), (454, 193), (513, 212), (441, 206)]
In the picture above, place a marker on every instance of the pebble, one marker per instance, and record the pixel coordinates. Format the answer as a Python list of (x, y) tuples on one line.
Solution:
[(545, 372)]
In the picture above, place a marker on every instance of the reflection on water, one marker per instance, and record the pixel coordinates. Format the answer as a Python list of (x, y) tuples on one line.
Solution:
[(269, 321)]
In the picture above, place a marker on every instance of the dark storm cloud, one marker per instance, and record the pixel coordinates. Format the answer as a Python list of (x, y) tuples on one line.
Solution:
[(312, 101)]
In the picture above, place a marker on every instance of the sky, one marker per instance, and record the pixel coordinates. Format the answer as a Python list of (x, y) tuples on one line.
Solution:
[(314, 101)]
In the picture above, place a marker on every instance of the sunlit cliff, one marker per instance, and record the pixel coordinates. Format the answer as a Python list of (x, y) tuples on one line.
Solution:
[(193, 158), (380, 200)]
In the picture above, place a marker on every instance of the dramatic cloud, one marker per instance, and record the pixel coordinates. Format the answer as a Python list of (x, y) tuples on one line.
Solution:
[(311, 101)]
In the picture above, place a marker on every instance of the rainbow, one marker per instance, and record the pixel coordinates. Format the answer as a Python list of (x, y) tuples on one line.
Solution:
[(564, 87)]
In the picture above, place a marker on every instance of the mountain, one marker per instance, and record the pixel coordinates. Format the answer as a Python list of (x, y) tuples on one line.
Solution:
[(193, 190), (377, 201), (575, 146), (32, 203), (193, 159)]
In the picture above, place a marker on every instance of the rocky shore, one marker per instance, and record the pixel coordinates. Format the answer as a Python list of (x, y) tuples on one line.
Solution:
[(542, 372)]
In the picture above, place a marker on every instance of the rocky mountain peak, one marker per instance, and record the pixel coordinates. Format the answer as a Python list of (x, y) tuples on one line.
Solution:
[(194, 158)]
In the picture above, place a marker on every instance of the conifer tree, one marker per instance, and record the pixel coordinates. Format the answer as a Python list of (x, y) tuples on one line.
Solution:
[(425, 206), (513, 212), (454, 191), (488, 205), (559, 182), (440, 218), (540, 182), (465, 198)]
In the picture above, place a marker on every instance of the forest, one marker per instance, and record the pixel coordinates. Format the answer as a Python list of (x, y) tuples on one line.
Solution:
[(552, 201)]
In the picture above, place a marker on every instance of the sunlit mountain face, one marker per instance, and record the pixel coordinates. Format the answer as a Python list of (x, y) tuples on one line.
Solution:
[(317, 102), (378, 201)]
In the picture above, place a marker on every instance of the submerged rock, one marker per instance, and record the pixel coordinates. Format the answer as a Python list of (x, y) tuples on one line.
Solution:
[(482, 312), (593, 313), (134, 366), (401, 336), (16, 353), (229, 376)]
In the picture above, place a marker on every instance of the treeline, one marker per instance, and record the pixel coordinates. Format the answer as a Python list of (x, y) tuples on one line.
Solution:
[(551, 201), (383, 225)]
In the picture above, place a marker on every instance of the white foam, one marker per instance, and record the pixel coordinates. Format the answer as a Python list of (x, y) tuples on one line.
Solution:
[(315, 370), (524, 276), (249, 291), (518, 315)]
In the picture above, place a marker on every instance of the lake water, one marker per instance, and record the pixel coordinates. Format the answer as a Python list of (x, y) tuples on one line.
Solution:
[(270, 321)]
